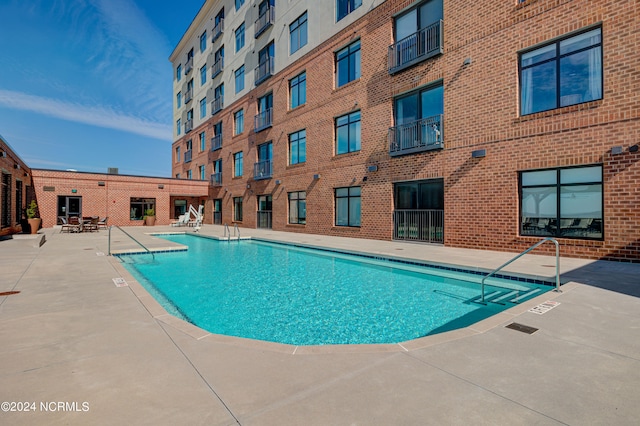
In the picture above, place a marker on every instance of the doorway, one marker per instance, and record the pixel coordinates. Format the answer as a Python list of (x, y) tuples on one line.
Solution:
[(69, 206)]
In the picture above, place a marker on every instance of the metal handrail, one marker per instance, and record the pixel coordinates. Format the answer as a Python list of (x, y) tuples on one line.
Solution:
[(236, 229), (129, 235), (525, 252)]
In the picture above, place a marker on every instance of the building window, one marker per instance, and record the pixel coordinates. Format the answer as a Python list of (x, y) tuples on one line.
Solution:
[(203, 75), (178, 99), (298, 90), (189, 174), (240, 79), (216, 140), (203, 143), (203, 107), (6, 199), (348, 133), (240, 37), (138, 207), (565, 72), (216, 177), (218, 99), (265, 67), (179, 72), (202, 170), (298, 33), (178, 153), (565, 202), (298, 207), (203, 41), (239, 4), (237, 209), (298, 147), (238, 122), (178, 127), (177, 175), (345, 7), (237, 164), (348, 206), (348, 64), (264, 118)]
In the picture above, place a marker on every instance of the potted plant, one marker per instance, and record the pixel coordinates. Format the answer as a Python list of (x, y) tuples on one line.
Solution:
[(33, 221), (150, 217)]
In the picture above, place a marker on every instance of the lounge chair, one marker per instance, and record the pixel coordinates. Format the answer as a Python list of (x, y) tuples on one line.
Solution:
[(183, 220)]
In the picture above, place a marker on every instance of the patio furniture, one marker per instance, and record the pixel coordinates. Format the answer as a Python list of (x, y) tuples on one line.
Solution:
[(90, 224), (102, 223), (74, 224), (183, 220)]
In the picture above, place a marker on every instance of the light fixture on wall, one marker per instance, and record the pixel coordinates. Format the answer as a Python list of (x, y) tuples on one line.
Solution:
[(278, 182), (466, 62), (248, 186), (373, 168), (616, 150), (316, 176), (633, 148)]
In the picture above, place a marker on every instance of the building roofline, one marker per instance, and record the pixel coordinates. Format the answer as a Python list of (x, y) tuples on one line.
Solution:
[(116, 175), (197, 20), (13, 152)]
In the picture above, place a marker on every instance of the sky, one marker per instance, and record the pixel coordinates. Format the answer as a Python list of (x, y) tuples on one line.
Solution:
[(87, 84)]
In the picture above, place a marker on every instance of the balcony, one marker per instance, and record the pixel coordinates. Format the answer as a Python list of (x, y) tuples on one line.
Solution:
[(417, 136), (263, 170), (419, 225), (264, 219), (188, 126), (216, 105), (187, 156), (188, 66), (217, 30), (188, 96), (217, 67), (216, 179), (416, 48), (264, 70), (263, 120), (265, 20), (216, 142)]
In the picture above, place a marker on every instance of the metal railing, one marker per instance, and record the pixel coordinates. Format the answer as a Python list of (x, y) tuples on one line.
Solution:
[(188, 96), (263, 120), (217, 67), (265, 20), (264, 70), (264, 219), (129, 235), (217, 30), (216, 105), (216, 179), (187, 156), (263, 169), (421, 135), (227, 233), (216, 142), (544, 240), (188, 66), (417, 47), (425, 225)]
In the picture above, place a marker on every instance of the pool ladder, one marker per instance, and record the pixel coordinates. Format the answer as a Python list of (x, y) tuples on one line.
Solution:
[(128, 235), (544, 240), (227, 232)]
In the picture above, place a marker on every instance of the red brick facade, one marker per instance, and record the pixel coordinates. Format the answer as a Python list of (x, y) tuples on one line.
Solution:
[(481, 111), (16, 190)]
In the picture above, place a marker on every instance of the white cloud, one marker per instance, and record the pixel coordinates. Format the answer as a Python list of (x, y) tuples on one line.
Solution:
[(86, 114)]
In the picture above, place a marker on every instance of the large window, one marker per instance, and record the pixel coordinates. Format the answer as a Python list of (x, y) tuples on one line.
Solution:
[(203, 142), (178, 154), (203, 41), (202, 171), (240, 37), (139, 206), (203, 107), (238, 122), (298, 90), (298, 147), (348, 206), (348, 133), (239, 4), (18, 200), (565, 72), (203, 75), (240, 79), (178, 99), (6, 199), (418, 120), (237, 209), (298, 207), (298, 33), (179, 72), (348, 64), (237, 164), (564, 202), (345, 7), (178, 126)]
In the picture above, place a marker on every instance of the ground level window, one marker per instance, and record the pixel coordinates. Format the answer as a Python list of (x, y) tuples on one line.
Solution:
[(237, 209), (298, 207), (6, 200), (564, 202), (140, 205), (348, 206)]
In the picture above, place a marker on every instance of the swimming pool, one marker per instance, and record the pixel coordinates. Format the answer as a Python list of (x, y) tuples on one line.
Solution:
[(301, 296)]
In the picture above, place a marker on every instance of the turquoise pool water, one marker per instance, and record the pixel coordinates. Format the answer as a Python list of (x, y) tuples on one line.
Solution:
[(300, 296)]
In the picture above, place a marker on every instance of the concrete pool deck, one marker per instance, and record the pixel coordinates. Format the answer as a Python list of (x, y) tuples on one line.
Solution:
[(111, 356)]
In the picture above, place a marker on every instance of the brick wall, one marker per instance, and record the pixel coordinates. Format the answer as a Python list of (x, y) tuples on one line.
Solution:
[(481, 111), (17, 173)]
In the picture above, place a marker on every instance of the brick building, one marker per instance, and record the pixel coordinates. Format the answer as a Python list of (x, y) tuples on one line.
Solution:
[(484, 124), (16, 191)]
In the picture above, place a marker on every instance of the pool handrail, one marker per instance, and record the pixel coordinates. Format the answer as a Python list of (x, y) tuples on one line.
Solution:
[(129, 235), (557, 289)]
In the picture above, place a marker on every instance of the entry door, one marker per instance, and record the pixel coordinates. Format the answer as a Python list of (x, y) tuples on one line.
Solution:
[(69, 206), (264, 211)]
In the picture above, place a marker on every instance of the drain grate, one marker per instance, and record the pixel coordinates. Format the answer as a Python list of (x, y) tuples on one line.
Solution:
[(8, 293), (522, 328)]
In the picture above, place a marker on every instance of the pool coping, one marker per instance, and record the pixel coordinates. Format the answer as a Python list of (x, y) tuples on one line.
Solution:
[(159, 313)]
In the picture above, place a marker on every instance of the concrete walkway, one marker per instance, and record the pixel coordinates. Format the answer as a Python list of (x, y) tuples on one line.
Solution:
[(80, 350)]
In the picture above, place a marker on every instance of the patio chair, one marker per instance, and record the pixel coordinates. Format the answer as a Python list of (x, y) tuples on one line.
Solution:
[(91, 224), (102, 223), (183, 220), (74, 224)]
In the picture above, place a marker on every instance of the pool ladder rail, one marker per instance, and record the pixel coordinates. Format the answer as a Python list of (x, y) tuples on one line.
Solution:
[(499, 297), (227, 233), (128, 235)]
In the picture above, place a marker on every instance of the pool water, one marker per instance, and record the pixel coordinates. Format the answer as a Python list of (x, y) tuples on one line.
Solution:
[(301, 296)]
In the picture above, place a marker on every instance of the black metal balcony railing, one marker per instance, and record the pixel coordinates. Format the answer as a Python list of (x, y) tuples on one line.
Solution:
[(417, 136), (216, 142), (217, 30), (188, 66), (264, 70), (216, 105), (264, 219), (187, 156), (263, 169), (419, 225), (216, 179), (265, 20), (419, 46), (217, 218), (217, 67), (188, 95), (188, 126), (263, 120)]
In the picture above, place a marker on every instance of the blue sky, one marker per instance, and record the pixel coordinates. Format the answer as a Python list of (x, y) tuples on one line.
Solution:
[(87, 84)]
